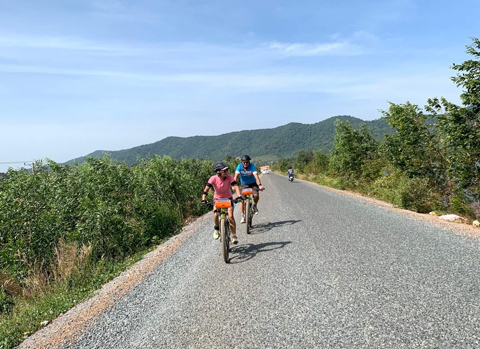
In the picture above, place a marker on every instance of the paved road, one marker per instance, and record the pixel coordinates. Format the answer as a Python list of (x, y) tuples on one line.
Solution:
[(320, 270)]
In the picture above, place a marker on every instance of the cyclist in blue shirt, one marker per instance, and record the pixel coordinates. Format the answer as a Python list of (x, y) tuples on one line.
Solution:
[(247, 173)]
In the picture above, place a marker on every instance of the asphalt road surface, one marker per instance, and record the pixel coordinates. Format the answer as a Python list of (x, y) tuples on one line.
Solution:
[(320, 270)]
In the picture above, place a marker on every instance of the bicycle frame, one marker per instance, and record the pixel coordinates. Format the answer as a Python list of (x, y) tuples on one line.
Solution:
[(248, 193), (221, 207)]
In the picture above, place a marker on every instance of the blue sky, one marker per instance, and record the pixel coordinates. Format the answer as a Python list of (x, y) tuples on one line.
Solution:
[(80, 76)]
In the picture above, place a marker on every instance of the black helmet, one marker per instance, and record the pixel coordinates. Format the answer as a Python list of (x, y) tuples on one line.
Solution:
[(246, 158), (289, 167), (219, 166)]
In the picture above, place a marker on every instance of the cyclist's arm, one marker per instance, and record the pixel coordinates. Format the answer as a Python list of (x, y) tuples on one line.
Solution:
[(205, 191), (260, 186), (236, 188), (237, 176)]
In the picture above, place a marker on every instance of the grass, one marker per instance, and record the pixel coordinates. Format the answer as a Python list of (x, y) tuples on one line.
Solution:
[(414, 194), (44, 301), (337, 183)]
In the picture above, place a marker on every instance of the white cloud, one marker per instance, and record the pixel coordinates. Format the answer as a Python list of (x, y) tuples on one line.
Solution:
[(337, 48), (415, 88), (109, 6), (248, 81), (364, 36), (59, 42), (358, 43)]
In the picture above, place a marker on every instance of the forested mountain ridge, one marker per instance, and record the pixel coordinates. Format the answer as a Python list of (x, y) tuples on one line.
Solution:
[(282, 141)]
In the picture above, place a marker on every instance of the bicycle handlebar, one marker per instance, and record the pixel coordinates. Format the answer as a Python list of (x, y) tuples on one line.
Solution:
[(235, 201)]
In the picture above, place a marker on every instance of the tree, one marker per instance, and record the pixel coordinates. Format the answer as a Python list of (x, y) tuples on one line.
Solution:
[(459, 126), (303, 159), (469, 77), (319, 164), (414, 148), (351, 150)]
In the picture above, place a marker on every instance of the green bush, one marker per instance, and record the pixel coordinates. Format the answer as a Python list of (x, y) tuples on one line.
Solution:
[(337, 183), (108, 205), (409, 193), (6, 302), (461, 205)]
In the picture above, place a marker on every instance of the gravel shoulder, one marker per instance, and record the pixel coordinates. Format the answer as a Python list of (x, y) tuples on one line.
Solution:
[(73, 323)]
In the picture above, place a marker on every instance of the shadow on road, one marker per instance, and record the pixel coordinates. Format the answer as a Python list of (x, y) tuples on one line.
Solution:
[(264, 227), (245, 252)]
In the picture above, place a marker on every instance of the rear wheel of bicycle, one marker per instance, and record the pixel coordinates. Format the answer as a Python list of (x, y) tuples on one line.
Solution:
[(225, 239), (248, 216)]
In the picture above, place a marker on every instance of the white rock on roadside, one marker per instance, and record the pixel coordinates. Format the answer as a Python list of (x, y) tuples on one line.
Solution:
[(476, 224), (44, 323), (450, 217)]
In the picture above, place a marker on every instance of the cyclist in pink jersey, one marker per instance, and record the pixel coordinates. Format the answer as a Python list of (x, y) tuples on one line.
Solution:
[(221, 183)]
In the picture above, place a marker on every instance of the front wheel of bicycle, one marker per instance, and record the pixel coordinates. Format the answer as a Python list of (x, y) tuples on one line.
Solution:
[(248, 216), (251, 218), (225, 239)]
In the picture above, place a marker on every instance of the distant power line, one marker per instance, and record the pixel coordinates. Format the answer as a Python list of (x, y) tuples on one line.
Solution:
[(14, 162)]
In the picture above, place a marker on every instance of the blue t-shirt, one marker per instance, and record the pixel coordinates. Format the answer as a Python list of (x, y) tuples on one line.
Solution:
[(246, 175)]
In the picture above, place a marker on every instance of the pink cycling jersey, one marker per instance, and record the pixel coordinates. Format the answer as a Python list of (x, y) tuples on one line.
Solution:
[(221, 187)]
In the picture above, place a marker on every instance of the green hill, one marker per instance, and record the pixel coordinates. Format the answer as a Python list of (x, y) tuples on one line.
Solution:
[(266, 144)]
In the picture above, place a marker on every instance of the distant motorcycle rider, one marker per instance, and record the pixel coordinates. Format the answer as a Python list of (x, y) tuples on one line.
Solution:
[(290, 172)]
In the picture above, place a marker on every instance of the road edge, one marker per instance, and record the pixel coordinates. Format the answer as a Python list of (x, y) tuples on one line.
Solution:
[(71, 325)]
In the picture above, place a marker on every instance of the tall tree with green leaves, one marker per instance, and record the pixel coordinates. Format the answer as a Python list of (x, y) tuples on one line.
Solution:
[(414, 148), (459, 126), (468, 77), (352, 150), (303, 159), (319, 164)]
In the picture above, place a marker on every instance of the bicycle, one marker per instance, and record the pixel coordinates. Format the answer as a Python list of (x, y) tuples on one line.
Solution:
[(248, 194), (221, 207), (248, 202)]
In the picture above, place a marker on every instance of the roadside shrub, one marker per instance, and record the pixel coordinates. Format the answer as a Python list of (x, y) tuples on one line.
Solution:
[(6, 302), (333, 182), (409, 193), (461, 205), (55, 211)]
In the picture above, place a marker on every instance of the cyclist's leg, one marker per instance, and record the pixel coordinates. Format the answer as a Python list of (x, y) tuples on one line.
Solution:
[(242, 207), (231, 219), (215, 217), (256, 197), (242, 204), (216, 220)]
